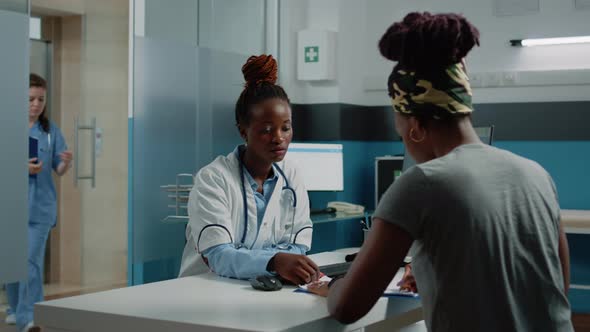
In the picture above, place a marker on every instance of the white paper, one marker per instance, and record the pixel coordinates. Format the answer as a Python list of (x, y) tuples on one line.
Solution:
[(392, 289)]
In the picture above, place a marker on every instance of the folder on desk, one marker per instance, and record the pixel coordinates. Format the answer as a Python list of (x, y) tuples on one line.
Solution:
[(394, 290), (33, 151)]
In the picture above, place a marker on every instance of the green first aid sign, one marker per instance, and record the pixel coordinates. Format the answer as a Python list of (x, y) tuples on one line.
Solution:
[(312, 53)]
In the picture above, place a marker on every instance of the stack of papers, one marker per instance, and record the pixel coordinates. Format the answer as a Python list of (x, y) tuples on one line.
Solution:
[(391, 290)]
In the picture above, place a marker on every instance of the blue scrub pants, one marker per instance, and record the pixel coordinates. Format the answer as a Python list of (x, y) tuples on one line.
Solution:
[(24, 294)]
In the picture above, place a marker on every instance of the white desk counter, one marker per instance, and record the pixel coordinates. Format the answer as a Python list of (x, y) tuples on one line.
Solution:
[(211, 303), (576, 221)]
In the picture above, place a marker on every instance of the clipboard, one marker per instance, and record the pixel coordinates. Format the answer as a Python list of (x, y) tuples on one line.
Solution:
[(33, 152)]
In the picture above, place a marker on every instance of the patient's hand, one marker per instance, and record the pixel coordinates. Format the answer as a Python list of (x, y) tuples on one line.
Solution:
[(408, 282), (319, 288)]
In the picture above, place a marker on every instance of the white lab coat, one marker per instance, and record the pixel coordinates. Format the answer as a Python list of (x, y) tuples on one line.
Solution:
[(216, 212)]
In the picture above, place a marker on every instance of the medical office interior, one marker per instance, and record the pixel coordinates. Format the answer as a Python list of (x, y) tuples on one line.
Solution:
[(144, 92)]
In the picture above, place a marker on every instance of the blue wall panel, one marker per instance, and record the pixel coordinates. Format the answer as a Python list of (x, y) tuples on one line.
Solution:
[(336, 235), (568, 162)]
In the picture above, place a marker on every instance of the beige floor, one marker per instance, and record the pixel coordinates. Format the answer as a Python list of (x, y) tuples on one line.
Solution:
[(4, 327)]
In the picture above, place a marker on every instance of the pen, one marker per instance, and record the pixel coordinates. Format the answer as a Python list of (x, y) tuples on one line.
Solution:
[(365, 226)]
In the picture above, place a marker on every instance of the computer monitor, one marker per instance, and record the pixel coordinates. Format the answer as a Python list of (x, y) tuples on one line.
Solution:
[(387, 169), (321, 165), (486, 135)]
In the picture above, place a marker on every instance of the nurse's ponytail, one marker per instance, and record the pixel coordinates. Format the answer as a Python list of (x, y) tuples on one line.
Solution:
[(260, 73)]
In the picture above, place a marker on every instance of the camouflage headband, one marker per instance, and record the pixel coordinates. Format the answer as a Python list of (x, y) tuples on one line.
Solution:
[(448, 92)]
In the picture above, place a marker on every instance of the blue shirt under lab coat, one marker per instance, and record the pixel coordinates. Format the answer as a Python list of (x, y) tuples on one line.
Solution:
[(245, 263), (42, 195)]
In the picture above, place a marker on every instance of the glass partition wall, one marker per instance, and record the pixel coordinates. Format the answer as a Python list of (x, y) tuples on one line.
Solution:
[(186, 76), (14, 30)]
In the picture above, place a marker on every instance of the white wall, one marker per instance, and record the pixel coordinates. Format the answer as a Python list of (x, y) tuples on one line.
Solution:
[(360, 24), (296, 15)]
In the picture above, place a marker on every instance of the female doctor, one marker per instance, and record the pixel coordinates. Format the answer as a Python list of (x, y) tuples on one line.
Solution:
[(248, 211)]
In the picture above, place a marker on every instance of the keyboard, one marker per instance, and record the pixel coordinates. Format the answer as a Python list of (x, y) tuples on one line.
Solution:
[(335, 270), (322, 211)]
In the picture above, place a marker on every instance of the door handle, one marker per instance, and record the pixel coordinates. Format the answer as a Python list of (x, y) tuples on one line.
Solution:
[(92, 175)]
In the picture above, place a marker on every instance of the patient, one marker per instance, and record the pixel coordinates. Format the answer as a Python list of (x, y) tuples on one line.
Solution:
[(491, 252)]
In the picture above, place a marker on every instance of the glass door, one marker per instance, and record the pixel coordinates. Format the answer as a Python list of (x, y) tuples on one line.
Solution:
[(187, 59), (88, 101)]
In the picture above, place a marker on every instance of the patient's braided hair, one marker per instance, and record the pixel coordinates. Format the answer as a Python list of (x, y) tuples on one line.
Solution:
[(260, 73), (428, 44), (424, 42)]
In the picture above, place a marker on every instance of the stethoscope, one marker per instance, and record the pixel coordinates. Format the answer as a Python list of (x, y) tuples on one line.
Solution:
[(286, 187)]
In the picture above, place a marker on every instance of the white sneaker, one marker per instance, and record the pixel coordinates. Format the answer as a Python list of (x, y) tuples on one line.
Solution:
[(10, 319), (31, 327)]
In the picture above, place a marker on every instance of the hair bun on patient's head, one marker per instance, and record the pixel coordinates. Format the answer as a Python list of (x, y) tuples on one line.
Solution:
[(424, 41), (392, 42), (260, 69)]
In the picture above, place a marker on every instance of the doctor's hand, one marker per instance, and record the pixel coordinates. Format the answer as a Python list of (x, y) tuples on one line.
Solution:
[(35, 167), (298, 269)]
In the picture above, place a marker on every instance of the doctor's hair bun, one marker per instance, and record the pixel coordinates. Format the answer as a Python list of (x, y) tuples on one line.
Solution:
[(260, 69), (260, 73), (424, 41)]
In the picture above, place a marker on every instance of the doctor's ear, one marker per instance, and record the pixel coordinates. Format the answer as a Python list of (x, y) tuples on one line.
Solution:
[(242, 130)]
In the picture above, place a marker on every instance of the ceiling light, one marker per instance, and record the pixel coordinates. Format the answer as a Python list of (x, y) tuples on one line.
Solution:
[(550, 41)]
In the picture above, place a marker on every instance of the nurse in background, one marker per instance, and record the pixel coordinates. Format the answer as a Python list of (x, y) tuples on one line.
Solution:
[(249, 210), (52, 156)]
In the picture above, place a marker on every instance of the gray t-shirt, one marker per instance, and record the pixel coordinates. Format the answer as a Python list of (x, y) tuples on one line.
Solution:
[(485, 223)]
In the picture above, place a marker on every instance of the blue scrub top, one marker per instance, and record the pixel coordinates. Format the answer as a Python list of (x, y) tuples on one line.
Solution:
[(42, 196)]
